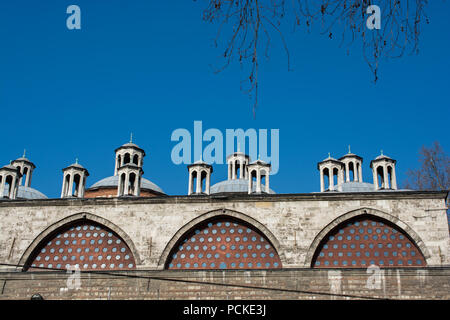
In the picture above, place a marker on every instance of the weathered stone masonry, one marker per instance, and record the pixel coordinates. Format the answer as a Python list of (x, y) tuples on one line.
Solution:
[(294, 224)]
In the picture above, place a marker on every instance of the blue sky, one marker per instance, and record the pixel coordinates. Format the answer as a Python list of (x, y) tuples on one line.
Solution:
[(147, 67)]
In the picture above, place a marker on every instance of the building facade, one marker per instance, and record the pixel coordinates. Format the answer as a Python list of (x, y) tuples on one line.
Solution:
[(234, 239)]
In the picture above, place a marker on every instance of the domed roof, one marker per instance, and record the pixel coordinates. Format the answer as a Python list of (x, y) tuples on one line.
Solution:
[(130, 144), (27, 193), (382, 156), (354, 186), (76, 165), (113, 181), (235, 185)]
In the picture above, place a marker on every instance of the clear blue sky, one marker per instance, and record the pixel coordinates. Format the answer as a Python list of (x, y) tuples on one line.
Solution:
[(146, 67)]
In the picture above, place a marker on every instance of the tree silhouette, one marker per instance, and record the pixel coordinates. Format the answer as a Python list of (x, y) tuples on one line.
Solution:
[(249, 25)]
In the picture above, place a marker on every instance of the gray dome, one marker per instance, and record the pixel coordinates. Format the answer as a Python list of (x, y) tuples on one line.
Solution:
[(236, 185), (357, 187), (27, 193), (353, 186), (113, 181)]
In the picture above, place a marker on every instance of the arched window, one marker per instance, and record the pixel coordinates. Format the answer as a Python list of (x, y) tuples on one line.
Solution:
[(367, 240), (136, 159), (126, 158), (223, 243), (84, 244)]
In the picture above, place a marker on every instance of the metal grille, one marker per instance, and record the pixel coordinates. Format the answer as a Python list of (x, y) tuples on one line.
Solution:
[(86, 245), (224, 243), (365, 241)]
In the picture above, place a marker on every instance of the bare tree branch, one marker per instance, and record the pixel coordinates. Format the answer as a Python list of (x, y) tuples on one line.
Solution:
[(434, 173), (250, 23)]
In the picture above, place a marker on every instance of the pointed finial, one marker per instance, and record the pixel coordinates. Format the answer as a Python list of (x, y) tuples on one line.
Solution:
[(131, 137), (201, 156), (329, 155), (76, 160), (381, 151), (349, 151), (24, 153), (10, 162)]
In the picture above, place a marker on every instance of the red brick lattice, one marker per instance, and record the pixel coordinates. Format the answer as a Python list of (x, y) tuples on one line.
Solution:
[(365, 241), (223, 243), (86, 245)]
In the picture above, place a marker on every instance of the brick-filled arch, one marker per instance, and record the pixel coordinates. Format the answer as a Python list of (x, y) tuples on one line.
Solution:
[(223, 242), (85, 244), (367, 240)]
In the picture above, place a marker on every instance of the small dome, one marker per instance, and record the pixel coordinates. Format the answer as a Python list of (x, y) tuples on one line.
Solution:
[(383, 156), (113, 181), (27, 193), (77, 165), (357, 187), (353, 186), (130, 144), (236, 185)]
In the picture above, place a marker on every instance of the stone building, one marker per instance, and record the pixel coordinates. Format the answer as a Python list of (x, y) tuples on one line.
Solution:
[(234, 239)]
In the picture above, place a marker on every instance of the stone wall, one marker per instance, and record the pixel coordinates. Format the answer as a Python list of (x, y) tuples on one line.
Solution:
[(404, 283), (294, 223)]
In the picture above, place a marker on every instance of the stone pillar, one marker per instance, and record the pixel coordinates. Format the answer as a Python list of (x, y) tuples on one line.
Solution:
[(116, 165), (190, 183), (63, 186), (360, 173), (267, 182), (233, 171), (394, 179), (250, 182), (331, 179), (28, 178), (258, 181), (137, 186), (70, 193), (347, 172), (385, 177), (2, 186), (127, 184), (241, 169), (375, 178), (198, 187), (13, 189), (229, 170), (208, 182), (340, 179)]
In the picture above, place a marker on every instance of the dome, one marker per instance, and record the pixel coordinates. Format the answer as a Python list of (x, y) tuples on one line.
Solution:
[(130, 144), (113, 181), (27, 193), (357, 187), (236, 185), (382, 156), (363, 187), (76, 165)]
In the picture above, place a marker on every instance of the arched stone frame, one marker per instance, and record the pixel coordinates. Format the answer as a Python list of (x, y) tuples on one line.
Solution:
[(73, 218), (377, 213), (216, 213)]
